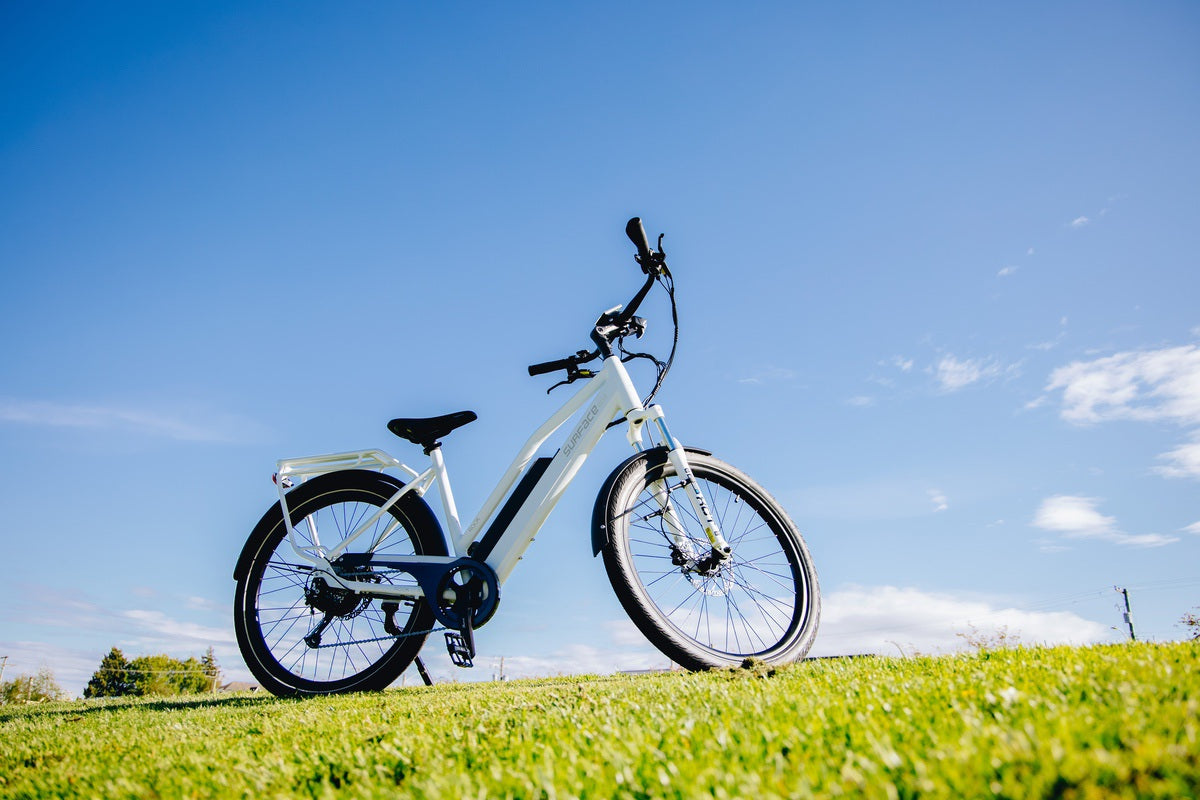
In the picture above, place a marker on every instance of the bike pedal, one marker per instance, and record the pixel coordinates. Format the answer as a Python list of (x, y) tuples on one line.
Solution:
[(462, 652)]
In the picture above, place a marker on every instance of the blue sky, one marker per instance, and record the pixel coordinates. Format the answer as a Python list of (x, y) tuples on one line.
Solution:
[(937, 279)]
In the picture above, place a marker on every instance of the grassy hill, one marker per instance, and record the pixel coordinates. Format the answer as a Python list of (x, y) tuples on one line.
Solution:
[(1111, 721)]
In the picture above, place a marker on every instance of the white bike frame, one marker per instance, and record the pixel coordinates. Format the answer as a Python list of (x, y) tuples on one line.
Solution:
[(608, 394)]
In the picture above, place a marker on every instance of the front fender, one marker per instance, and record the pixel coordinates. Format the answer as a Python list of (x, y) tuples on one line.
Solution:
[(655, 457)]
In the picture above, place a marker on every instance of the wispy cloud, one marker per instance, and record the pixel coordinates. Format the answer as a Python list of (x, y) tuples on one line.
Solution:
[(939, 500), (1145, 385), (1183, 461), (206, 604), (76, 631), (1080, 222), (1078, 518), (201, 428), (152, 625), (861, 401), (1193, 528), (953, 374), (1056, 341), (1006, 271)]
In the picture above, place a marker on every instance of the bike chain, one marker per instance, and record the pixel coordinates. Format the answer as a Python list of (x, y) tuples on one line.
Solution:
[(379, 638), (382, 638)]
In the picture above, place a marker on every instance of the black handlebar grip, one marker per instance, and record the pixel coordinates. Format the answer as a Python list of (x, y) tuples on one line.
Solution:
[(550, 366), (637, 235)]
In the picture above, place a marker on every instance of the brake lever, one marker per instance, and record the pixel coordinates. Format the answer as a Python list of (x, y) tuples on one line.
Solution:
[(572, 376)]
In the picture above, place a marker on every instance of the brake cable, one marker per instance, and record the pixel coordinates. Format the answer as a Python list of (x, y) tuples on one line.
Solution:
[(667, 281), (661, 367)]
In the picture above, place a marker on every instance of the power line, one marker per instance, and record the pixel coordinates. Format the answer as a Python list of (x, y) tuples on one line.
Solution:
[(1128, 614)]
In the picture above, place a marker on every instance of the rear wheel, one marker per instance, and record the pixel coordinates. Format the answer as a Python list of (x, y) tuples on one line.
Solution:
[(300, 633), (700, 610)]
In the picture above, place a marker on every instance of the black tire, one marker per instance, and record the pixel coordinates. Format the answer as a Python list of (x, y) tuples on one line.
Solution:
[(763, 603), (273, 608)]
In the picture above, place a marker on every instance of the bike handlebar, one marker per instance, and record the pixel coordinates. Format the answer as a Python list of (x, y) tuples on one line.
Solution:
[(609, 326), (551, 366), (637, 235), (627, 314)]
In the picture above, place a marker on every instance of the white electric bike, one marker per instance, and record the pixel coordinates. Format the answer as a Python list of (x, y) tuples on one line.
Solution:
[(346, 575)]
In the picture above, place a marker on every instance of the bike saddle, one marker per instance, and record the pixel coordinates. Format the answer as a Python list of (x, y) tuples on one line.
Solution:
[(426, 431)]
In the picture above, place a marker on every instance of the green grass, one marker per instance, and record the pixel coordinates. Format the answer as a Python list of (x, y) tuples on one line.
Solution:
[(1112, 721)]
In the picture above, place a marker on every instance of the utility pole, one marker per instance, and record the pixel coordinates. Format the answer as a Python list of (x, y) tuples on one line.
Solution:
[(3, 664), (1128, 614)]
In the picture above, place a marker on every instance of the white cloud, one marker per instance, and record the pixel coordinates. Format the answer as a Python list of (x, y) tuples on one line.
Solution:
[(1184, 460), (953, 374), (72, 666), (1144, 385), (1080, 222), (1056, 341), (939, 500), (1193, 528), (213, 428), (903, 364), (1147, 385), (77, 631), (888, 619), (1006, 271), (155, 626), (205, 604), (1077, 518), (623, 632), (855, 619), (861, 401)]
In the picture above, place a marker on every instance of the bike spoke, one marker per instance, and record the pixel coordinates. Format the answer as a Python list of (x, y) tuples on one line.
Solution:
[(721, 606), (354, 639)]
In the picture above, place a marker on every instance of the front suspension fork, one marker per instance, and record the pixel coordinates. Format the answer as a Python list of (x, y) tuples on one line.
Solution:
[(676, 454)]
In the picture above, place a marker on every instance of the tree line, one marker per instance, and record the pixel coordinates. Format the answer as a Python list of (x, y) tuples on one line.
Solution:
[(153, 676), (31, 689)]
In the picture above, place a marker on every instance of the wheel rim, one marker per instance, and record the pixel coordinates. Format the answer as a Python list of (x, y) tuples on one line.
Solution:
[(752, 605), (289, 603)]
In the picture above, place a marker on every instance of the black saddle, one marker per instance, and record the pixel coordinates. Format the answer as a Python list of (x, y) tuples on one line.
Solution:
[(426, 431)]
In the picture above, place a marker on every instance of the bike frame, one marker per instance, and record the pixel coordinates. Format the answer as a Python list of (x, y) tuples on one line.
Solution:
[(609, 394)]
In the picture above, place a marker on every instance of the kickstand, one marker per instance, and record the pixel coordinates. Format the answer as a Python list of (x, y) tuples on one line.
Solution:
[(424, 673)]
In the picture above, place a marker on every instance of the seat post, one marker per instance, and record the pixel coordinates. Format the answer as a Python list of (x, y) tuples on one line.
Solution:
[(443, 484)]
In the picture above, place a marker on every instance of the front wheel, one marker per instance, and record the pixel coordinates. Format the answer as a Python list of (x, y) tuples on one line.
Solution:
[(761, 601)]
